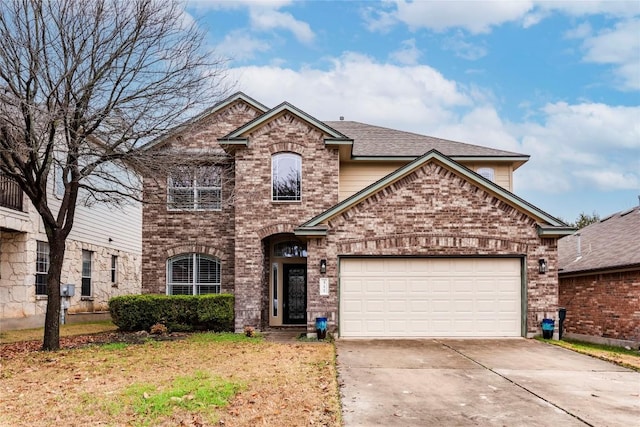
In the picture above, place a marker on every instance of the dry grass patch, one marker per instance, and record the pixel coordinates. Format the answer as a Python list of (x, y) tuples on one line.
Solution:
[(615, 354), (206, 379), (67, 330)]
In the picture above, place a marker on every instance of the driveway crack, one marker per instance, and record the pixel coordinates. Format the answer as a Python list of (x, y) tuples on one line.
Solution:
[(515, 383)]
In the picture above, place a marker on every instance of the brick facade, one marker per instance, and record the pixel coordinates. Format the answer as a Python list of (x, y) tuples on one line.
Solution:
[(167, 233), (260, 218), (433, 211), (603, 305)]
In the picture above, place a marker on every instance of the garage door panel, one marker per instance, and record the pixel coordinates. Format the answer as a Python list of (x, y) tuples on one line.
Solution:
[(422, 297)]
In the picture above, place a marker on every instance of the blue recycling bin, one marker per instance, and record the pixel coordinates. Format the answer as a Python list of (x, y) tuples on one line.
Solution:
[(321, 327), (548, 325)]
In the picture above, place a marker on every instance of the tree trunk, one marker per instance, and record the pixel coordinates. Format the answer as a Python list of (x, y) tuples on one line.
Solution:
[(57, 247)]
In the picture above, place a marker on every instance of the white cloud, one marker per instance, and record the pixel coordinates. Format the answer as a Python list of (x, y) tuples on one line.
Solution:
[(620, 47), (480, 126), (408, 54), (412, 98), (479, 17), (595, 125), (580, 32), (615, 8), (265, 19), (609, 178), (584, 145), (463, 48), (238, 45), (475, 17), (264, 15), (573, 147)]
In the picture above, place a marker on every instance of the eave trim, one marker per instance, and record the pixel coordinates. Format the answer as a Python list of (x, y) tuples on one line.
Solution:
[(285, 106), (555, 231), (216, 107)]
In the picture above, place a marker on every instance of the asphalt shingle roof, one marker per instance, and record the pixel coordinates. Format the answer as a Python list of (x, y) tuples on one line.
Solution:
[(613, 242), (377, 141)]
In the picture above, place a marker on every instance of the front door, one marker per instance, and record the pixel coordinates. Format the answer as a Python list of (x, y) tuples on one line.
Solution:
[(295, 294)]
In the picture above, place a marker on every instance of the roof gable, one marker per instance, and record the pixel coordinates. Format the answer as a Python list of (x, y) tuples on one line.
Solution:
[(219, 106), (238, 136), (613, 242), (549, 226)]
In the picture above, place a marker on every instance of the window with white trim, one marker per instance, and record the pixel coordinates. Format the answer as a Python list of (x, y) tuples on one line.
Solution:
[(86, 273), (193, 274), (114, 269), (42, 267), (195, 188), (487, 173), (286, 177)]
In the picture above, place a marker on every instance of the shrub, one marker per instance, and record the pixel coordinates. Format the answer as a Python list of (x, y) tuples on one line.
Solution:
[(178, 313)]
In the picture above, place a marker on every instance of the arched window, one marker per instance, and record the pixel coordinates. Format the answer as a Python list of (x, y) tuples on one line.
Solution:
[(286, 177), (193, 274), (487, 173), (290, 249)]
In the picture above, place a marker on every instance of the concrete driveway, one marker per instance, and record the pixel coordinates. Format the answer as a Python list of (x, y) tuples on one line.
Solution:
[(510, 382)]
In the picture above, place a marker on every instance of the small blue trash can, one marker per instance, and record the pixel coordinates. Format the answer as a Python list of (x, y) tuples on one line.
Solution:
[(548, 325), (321, 327)]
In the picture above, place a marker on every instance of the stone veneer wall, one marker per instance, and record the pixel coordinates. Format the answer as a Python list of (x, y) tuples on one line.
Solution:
[(605, 305), (434, 212), (19, 304)]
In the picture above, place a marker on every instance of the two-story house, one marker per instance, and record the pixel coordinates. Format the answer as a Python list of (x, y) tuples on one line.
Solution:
[(386, 233), (102, 259)]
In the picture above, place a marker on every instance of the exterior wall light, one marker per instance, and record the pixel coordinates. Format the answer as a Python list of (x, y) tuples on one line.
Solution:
[(323, 266), (542, 264)]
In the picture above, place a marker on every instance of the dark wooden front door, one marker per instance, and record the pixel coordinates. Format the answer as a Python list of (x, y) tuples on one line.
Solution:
[(295, 294)]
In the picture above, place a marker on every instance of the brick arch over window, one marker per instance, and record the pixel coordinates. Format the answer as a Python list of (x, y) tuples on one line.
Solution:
[(431, 244), (278, 228), (194, 248), (289, 146)]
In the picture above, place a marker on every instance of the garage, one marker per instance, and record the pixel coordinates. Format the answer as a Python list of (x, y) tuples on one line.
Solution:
[(430, 297)]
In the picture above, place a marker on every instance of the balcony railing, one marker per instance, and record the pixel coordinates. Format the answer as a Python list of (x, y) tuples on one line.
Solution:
[(10, 193)]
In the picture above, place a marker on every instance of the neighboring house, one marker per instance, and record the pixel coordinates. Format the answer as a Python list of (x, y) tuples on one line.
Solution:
[(385, 233), (600, 279), (102, 259)]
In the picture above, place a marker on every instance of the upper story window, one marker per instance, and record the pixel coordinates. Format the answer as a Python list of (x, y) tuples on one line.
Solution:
[(487, 173), (193, 274), (195, 188), (286, 177)]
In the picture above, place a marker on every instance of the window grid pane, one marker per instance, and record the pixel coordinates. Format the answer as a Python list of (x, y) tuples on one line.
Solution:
[(42, 267), (195, 189), (184, 279), (86, 273)]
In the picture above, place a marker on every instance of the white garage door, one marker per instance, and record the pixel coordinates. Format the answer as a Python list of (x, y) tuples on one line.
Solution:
[(430, 297)]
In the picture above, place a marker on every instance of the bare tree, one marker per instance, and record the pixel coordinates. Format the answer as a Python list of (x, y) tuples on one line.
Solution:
[(83, 85)]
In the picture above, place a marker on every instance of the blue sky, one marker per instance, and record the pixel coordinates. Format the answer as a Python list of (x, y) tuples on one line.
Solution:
[(559, 81)]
